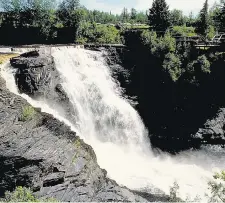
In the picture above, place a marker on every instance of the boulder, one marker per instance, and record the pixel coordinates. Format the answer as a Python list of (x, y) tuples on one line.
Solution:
[(37, 76), (213, 131)]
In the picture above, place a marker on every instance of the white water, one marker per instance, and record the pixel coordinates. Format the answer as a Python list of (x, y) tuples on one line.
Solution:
[(109, 123)]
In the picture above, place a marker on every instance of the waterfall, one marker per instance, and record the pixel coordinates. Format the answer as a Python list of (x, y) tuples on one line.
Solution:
[(107, 121)]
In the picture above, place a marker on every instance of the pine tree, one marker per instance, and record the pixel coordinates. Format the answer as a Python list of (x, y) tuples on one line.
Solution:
[(203, 22), (133, 14), (159, 16), (125, 15), (222, 18)]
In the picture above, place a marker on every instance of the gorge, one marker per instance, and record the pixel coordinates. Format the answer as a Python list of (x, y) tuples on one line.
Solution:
[(79, 87)]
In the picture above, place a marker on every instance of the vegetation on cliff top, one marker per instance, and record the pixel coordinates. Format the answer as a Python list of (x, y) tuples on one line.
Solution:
[(44, 22)]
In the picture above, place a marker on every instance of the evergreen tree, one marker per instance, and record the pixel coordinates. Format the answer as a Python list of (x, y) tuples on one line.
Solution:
[(177, 18), (125, 15), (222, 18), (133, 14), (203, 22), (159, 16)]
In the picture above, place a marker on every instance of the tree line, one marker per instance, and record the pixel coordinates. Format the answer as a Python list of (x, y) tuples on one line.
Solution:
[(46, 21), (207, 21)]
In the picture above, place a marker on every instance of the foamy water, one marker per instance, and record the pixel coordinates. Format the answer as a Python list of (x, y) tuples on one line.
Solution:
[(108, 122)]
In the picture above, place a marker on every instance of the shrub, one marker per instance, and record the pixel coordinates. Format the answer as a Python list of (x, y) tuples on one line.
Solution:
[(183, 31), (28, 112), (22, 194), (101, 34), (172, 65), (211, 32), (217, 188), (201, 65), (159, 46)]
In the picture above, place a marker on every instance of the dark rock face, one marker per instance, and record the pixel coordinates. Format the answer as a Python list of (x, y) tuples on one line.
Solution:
[(37, 77), (213, 131), (45, 155), (35, 73), (172, 112)]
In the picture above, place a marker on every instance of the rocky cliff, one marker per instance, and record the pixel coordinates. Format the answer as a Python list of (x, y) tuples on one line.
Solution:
[(177, 114)]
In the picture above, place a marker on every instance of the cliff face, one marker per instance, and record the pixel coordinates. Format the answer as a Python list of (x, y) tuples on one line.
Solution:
[(179, 115)]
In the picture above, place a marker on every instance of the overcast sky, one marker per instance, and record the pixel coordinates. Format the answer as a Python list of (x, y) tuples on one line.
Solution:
[(116, 6)]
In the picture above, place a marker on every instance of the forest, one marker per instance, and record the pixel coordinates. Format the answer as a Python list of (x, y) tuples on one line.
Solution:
[(46, 21)]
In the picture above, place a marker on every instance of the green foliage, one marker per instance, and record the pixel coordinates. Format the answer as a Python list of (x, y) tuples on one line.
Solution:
[(211, 32), (164, 49), (183, 31), (101, 34), (190, 20), (200, 65), (203, 23), (197, 69), (159, 16), (222, 17), (28, 113), (217, 187), (133, 14), (159, 46), (22, 194), (172, 65), (177, 18), (69, 13)]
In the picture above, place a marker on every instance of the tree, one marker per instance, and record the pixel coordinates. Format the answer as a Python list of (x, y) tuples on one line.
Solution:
[(41, 14), (222, 18), (191, 20), (12, 5), (177, 18), (133, 14), (159, 16), (12, 10), (203, 22), (142, 18), (125, 15), (69, 13)]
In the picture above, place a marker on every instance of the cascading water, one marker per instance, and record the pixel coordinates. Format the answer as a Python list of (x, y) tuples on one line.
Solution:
[(108, 122)]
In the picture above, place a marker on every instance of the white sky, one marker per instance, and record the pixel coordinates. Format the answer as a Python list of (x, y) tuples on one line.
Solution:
[(116, 6)]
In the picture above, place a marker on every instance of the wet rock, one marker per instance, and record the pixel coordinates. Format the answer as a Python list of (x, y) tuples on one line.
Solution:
[(36, 76), (213, 131)]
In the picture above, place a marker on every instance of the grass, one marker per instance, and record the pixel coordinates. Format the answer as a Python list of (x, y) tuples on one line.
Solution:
[(28, 112), (5, 57)]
